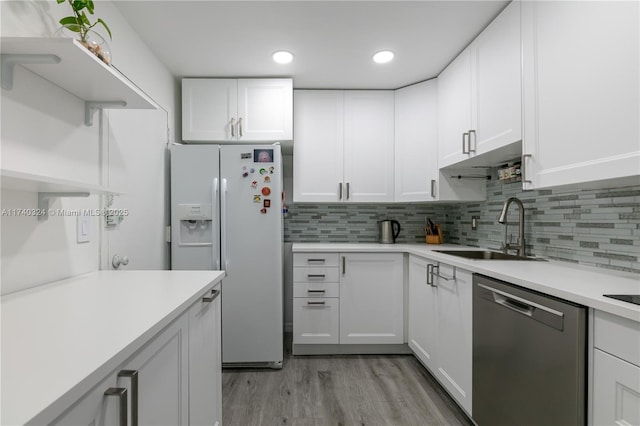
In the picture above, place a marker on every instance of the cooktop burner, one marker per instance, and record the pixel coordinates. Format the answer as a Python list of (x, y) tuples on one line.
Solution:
[(631, 298)]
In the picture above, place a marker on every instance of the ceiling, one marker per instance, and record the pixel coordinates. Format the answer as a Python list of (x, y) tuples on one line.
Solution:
[(333, 41)]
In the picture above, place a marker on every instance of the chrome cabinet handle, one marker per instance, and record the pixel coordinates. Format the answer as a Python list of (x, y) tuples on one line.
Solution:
[(315, 303), (214, 294), (430, 275), (240, 126), (315, 260), (433, 188), (121, 393), (315, 291), (347, 190), (523, 173), (133, 375), (315, 275), (475, 141), (232, 124), (464, 137), (344, 265), (340, 191)]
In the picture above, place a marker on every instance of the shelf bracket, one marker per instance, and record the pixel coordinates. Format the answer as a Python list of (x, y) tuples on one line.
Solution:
[(90, 107), (44, 197), (9, 60)]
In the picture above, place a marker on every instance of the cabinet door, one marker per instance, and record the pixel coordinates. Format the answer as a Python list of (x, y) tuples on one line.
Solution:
[(371, 298), (315, 320), (580, 91), (616, 391), (163, 380), (265, 109), (208, 106), (368, 154), (318, 148), (454, 289), (205, 362), (416, 142), (496, 84), (454, 110), (423, 314)]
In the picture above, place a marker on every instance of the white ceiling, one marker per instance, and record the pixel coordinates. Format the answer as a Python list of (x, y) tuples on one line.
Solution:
[(332, 41)]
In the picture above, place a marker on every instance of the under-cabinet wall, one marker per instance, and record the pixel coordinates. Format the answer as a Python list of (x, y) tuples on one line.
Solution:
[(43, 133)]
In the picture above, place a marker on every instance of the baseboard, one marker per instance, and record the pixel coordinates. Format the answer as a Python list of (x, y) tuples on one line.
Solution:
[(374, 349)]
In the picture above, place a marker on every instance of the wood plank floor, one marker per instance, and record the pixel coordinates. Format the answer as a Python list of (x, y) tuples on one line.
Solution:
[(338, 390)]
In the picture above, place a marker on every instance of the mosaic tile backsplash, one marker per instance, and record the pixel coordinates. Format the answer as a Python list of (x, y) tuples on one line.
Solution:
[(591, 227)]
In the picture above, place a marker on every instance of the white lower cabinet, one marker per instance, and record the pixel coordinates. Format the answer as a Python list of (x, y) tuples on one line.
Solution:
[(175, 378), (316, 290), (440, 324), (154, 383), (371, 298), (205, 361), (423, 313), (616, 371), (353, 298), (616, 391)]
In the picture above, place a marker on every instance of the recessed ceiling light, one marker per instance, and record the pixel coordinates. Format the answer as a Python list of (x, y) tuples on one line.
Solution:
[(383, 56), (282, 57)]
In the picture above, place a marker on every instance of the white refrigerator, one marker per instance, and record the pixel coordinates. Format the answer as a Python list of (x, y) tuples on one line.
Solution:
[(226, 213)]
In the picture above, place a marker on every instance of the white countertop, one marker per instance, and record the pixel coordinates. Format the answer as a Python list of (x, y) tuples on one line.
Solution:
[(579, 284), (60, 339)]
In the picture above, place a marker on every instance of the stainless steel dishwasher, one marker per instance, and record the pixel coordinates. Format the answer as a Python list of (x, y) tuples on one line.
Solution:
[(529, 357)]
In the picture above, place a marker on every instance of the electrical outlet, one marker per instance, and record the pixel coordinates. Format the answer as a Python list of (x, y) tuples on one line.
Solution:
[(474, 222), (83, 229)]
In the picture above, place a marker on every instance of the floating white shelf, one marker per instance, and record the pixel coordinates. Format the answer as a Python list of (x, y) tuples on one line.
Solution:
[(19, 181), (67, 64), (48, 188)]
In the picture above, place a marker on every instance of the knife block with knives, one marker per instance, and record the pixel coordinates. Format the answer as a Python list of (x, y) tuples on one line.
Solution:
[(434, 233)]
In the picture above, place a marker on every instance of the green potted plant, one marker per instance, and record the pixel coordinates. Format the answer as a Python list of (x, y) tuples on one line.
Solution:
[(79, 23)]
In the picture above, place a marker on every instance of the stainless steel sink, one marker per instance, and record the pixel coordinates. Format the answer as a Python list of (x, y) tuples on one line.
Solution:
[(485, 255)]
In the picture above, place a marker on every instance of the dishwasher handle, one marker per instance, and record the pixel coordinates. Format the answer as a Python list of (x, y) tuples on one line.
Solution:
[(535, 311)]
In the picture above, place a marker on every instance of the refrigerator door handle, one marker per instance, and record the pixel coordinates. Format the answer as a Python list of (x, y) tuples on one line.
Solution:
[(215, 225), (223, 231)]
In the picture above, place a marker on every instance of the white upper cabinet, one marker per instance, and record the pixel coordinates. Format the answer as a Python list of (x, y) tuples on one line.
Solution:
[(417, 176), (454, 110), (343, 149), (368, 150), (230, 110), (416, 142), (319, 142), (479, 101), (496, 100), (581, 92)]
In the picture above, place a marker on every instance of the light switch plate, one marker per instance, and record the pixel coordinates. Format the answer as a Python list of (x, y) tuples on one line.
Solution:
[(83, 229)]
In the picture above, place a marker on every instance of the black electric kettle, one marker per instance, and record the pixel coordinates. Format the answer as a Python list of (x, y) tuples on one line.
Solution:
[(387, 233)]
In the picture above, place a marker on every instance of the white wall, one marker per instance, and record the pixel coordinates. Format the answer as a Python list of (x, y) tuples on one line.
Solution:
[(42, 132)]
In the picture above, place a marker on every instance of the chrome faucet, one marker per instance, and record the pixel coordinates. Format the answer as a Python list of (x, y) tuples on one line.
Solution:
[(506, 246)]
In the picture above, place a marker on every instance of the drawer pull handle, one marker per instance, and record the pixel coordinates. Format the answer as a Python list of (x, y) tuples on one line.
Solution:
[(212, 296), (315, 291), (315, 275), (315, 260), (121, 393), (133, 375), (315, 303)]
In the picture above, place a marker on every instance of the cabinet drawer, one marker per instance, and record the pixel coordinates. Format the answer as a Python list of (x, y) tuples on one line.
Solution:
[(315, 259), (617, 336), (315, 275), (315, 320), (316, 290)]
